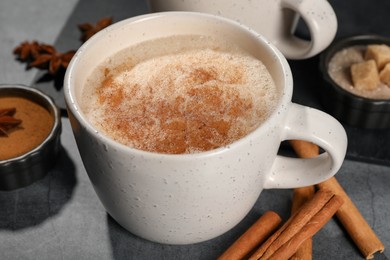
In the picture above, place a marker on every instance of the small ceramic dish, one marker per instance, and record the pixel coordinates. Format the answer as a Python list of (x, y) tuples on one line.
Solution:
[(28, 151), (348, 107)]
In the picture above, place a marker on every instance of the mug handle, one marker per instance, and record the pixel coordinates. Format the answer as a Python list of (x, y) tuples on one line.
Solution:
[(309, 124), (321, 21)]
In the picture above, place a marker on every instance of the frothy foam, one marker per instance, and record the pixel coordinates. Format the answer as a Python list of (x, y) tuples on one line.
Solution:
[(182, 100)]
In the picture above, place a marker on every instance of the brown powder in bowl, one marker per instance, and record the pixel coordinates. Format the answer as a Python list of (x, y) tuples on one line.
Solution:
[(37, 123)]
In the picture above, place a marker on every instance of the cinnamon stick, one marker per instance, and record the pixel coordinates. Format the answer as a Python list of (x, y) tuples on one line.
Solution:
[(353, 221), (307, 231), (253, 237), (304, 149), (300, 196), (300, 226), (350, 217)]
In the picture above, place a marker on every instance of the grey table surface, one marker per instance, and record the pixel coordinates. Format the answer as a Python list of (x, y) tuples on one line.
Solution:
[(60, 216)]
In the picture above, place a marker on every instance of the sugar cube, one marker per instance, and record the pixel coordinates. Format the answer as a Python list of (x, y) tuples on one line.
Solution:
[(365, 75), (378, 52)]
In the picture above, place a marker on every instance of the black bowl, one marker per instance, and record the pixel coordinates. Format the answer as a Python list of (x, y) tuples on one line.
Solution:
[(347, 107)]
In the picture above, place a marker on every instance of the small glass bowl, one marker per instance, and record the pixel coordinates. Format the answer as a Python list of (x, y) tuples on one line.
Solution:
[(20, 171), (347, 107)]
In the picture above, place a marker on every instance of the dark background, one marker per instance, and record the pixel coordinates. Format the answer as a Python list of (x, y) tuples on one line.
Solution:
[(354, 18)]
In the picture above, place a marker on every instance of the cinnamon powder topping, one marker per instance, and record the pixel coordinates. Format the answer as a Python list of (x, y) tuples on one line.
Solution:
[(187, 102)]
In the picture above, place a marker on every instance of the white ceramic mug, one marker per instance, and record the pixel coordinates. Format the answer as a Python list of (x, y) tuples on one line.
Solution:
[(188, 198), (276, 20)]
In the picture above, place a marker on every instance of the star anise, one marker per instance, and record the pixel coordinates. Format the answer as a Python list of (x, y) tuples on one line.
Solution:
[(7, 121), (43, 56), (27, 50), (52, 60), (88, 30)]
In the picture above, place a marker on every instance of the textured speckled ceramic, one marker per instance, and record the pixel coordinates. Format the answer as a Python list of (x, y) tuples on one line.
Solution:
[(189, 198), (275, 19)]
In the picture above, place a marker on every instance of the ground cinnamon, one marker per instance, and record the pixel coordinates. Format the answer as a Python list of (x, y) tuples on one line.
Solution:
[(36, 125), (253, 237), (7, 121)]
